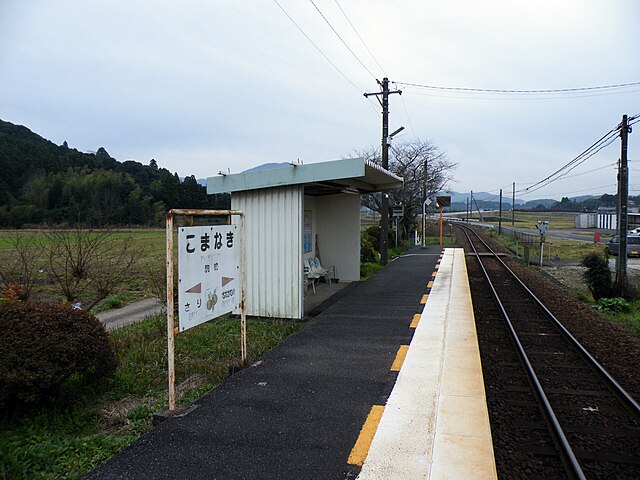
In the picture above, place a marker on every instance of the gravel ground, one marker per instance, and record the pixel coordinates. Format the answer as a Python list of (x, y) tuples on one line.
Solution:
[(611, 344)]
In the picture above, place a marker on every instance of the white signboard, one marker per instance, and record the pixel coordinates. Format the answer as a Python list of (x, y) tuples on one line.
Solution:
[(208, 273)]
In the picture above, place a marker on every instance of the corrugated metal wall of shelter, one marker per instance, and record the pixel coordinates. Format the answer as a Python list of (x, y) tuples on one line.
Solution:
[(273, 239)]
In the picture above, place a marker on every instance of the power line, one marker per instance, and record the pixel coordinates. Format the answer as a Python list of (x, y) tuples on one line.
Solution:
[(322, 53), (407, 112), (343, 42), (510, 91), (578, 160), (522, 97), (612, 185), (361, 39)]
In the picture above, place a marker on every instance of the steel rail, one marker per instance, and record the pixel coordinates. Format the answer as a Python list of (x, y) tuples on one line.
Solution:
[(617, 389), (568, 457)]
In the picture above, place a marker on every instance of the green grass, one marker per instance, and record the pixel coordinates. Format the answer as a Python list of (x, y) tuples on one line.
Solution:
[(560, 248), (631, 319), (89, 424), (115, 301), (557, 220)]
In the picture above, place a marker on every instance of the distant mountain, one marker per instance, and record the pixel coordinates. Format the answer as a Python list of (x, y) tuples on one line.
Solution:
[(457, 197)]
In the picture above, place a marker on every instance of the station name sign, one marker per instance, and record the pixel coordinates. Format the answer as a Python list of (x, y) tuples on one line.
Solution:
[(208, 273)]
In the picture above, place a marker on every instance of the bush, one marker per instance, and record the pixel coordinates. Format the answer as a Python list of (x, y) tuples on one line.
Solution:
[(367, 250), (367, 270), (598, 275), (374, 233), (614, 305), (43, 345)]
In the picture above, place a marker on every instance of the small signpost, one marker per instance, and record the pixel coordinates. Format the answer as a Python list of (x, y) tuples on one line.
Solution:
[(542, 227), (442, 201), (211, 279), (397, 213)]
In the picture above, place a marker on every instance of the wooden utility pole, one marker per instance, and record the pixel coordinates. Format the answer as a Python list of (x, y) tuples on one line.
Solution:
[(500, 218), (384, 102), (623, 197), (467, 209), (513, 206)]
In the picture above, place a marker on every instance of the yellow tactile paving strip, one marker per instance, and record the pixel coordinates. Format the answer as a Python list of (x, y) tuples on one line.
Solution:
[(400, 356), (435, 424), (361, 448)]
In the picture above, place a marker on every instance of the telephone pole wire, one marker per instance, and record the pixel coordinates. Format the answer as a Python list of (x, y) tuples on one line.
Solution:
[(384, 240)]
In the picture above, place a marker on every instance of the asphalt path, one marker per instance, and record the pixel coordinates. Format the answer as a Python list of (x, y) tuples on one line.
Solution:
[(298, 412), (130, 313)]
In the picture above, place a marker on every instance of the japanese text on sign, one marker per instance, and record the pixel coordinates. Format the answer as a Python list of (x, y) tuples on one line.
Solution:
[(208, 273)]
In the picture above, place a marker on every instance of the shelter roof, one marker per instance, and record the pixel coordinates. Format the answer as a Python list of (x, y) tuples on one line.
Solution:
[(352, 175)]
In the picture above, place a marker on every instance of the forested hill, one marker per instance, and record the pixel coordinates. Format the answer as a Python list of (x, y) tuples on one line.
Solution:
[(43, 183)]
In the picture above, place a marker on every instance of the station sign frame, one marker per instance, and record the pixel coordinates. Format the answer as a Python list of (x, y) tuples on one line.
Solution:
[(240, 277)]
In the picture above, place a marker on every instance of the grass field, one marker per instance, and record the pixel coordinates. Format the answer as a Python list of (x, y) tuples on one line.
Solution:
[(150, 263), (557, 220), (554, 248), (90, 425)]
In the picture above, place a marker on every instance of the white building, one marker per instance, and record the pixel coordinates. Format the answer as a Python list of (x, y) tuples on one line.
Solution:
[(293, 212)]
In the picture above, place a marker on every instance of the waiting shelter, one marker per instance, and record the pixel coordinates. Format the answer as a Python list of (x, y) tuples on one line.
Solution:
[(294, 212)]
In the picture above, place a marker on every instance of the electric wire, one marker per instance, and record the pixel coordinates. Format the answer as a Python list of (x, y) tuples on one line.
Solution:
[(322, 53), (579, 159), (343, 42), (361, 39), (562, 176), (413, 132), (511, 98), (511, 91), (564, 194)]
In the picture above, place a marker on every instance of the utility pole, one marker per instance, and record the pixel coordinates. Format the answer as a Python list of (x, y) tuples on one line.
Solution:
[(513, 206), (384, 235), (467, 209), (623, 197), (500, 218), (471, 204)]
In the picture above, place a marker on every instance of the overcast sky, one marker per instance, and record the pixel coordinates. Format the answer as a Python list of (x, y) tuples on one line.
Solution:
[(203, 86)]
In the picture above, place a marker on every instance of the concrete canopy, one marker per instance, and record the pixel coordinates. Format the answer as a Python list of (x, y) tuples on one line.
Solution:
[(322, 178)]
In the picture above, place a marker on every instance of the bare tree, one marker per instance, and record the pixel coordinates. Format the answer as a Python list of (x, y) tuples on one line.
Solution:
[(425, 169), (22, 265), (90, 264)]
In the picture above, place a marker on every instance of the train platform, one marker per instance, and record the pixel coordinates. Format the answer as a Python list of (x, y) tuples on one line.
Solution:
[(385, 383), (435, 424)]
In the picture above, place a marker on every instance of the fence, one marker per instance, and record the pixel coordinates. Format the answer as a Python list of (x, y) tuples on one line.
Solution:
[(523, 239)]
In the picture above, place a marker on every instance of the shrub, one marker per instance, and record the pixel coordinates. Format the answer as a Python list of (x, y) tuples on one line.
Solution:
[(598, 275), (43, 345), (367, 250), (374, 233), (614, 305), (367, 270)]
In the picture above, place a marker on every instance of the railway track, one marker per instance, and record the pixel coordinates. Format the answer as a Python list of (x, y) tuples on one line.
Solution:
[(573, 417)]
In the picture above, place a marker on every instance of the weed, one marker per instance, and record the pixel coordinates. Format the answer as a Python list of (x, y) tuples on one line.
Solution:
[(369, 269), (614, 305)]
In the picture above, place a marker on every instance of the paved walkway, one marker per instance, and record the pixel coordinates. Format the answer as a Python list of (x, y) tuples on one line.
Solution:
[(297, 414), (130, 313)]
